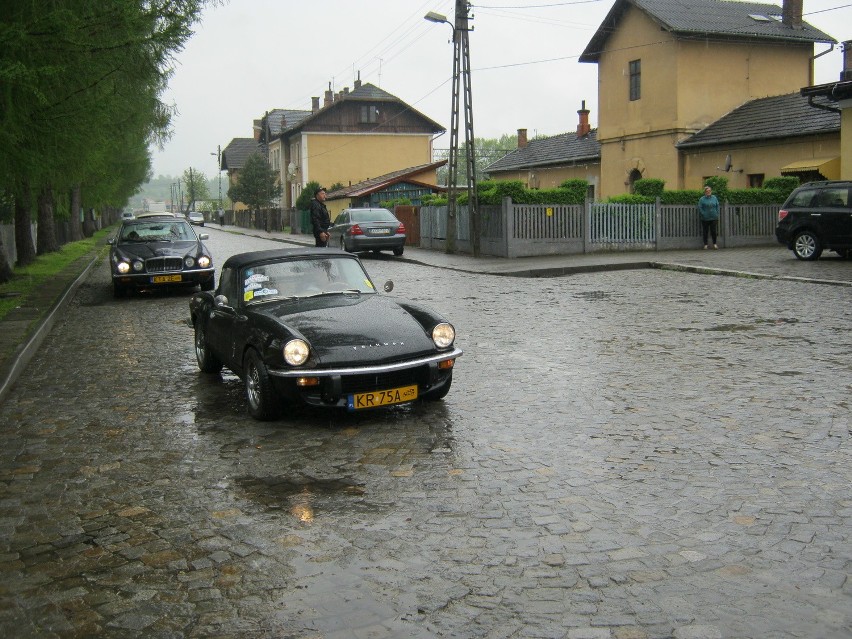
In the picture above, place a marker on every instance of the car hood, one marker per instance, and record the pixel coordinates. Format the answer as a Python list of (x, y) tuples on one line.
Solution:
[(352, 329), (147, 250)]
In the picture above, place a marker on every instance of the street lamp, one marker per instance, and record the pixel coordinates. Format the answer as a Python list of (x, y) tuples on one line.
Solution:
[(218, 155), (461, 85)]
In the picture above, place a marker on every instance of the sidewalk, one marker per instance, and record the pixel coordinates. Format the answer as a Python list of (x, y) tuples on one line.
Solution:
[(22, 331)]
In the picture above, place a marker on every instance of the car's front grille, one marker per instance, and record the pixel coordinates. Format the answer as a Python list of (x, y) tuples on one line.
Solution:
[(383, 381), (163, 264)]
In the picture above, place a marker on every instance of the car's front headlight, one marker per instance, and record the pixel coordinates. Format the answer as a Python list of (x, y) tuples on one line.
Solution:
[(189, 261), (443, 335), (203, 261), (138, 265), (122, 267), (296, 352)]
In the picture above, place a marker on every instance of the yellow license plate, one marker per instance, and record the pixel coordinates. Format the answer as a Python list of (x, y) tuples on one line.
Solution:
[(382, 398), (163, 279)]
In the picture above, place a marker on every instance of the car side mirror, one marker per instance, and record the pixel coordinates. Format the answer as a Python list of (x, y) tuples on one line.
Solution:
[(111, 240), (204, 236), (388, 287), (221, 301)]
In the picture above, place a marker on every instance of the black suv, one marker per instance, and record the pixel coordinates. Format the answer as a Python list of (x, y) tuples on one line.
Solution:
[(817, 216)]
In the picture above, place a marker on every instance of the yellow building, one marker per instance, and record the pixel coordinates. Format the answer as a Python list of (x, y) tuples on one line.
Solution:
[(668, 70), (355, 136)]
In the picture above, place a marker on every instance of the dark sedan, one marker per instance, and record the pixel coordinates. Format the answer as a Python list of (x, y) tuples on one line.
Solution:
[(152, 252), (308, 326), (367, 230)]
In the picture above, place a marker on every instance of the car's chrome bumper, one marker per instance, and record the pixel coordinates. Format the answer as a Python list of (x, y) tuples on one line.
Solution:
[(367, 370)]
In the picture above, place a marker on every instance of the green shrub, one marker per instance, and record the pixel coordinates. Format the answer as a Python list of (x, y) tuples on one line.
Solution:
[(682, 196), (630, 198), (719, 185), (391, 204), (303, 202), (649, 187), (783, 184)]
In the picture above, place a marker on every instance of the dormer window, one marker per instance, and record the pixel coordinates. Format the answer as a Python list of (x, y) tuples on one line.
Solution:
[(369, 114), (635, 69)]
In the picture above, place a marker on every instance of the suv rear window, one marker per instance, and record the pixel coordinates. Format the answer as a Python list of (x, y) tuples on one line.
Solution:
[(821, 198)]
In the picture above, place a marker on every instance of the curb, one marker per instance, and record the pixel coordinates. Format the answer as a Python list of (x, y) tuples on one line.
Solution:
[(11, 369)]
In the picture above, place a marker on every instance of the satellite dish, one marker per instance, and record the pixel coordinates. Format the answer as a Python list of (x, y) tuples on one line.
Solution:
[(727, 163)]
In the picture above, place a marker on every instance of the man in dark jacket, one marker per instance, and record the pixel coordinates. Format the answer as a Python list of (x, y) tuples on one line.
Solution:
[(320, 220)]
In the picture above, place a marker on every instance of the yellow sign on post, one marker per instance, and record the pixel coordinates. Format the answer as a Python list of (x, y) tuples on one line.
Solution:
[(549, 211)]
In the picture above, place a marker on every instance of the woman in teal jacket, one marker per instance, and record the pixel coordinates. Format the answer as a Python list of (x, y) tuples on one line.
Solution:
[(708, 212)]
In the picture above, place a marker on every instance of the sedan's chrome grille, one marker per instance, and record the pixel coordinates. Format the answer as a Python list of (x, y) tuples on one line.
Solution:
[(163, 264)]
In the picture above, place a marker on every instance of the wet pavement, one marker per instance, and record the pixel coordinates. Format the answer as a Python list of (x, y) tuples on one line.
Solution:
[(635, 453)]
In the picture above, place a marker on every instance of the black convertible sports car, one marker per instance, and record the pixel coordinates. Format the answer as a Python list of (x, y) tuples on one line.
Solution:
[(307, 325), (157, 251)]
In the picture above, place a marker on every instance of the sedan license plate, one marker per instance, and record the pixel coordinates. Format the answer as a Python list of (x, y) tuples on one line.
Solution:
[(381, 231), (382, 398), (163, 279)]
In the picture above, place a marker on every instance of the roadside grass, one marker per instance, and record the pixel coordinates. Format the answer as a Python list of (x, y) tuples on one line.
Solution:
[(29, 279)]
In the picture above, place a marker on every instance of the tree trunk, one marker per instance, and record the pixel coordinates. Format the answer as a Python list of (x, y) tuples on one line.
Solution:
[(74, 225), (5, 269), (89, 223), (46, 231), (23, 230)]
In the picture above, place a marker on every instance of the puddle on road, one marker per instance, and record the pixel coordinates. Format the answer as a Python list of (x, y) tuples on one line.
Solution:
[(597, 295), (303, 497)]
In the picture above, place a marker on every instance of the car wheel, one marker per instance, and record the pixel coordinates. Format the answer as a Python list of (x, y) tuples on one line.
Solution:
[(209, 285), (260, 393), (118, 290), (843, 253), (806, 246), (343, 244), (440, 393), (398, 251), (207, 361)]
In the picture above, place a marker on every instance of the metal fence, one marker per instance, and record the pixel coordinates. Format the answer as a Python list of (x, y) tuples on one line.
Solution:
[(519, 230)]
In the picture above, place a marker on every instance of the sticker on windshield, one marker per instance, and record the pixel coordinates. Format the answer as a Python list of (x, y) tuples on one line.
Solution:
[(368, 283), (257, 277)]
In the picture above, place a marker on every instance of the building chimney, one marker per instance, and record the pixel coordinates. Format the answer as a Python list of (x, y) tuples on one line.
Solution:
[(257, 127), (846, 73), (522, 138), (329, 96), (583, 127), (357, 81), (315, 104), (791, 13)]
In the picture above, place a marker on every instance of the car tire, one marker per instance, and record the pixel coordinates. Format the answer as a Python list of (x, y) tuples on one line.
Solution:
[(118, 290), (343, 244), (806, 246), (207, 361), (843, 253), (209, 285), (399, 251), (262, 401), (440, 393)]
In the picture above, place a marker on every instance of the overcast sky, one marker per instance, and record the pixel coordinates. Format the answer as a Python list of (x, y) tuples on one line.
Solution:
[(250, 56)]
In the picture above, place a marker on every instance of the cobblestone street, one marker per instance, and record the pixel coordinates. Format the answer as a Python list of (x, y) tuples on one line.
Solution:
[(627, 455)]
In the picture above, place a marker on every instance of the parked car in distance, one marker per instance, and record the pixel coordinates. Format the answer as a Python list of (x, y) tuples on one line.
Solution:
[(306, 325), (356, 230), (127, 215), (815, 217), (157, 251), (195, 217)]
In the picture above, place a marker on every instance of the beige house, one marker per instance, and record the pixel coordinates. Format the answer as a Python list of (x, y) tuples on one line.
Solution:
[(354, 136), (692, 90)]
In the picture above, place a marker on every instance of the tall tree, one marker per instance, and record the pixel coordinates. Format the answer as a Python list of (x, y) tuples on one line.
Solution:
[(195, 185), (257, 186)]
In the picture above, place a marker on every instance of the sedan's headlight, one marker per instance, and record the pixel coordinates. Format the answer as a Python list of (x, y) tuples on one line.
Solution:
[(443, 335), (122, 267), (138, 265), (189, 261), (296, 352), (203, 261)]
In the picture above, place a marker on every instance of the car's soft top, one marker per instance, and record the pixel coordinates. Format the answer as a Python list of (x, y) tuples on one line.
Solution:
[(257, 257)]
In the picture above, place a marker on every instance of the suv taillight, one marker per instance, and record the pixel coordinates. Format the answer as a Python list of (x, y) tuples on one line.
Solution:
[(782, 214)]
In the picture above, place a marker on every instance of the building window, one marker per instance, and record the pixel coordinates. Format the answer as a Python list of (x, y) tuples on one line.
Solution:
[(755, 180), (635, 79), (369, 114)]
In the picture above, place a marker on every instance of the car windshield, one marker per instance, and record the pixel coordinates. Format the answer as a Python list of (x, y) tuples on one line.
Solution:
[(305, 277), (158, 231), (373, 215)]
